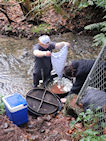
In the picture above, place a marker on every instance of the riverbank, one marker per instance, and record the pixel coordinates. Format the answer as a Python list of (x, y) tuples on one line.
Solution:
[(22, 27), (45, 128), (16, 64)]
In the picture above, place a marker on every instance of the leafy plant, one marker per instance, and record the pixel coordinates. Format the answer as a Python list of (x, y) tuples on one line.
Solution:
[(89, 135), (99, 39), (39, 7), (89, 131), (44, 28), (1, 105)]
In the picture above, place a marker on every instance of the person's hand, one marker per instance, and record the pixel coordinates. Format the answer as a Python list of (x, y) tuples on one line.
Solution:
[(48, 53), (62, 44), (63, 100), (67, 44)]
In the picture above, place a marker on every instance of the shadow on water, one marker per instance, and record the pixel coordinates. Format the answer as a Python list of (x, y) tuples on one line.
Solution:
[(16, 60)]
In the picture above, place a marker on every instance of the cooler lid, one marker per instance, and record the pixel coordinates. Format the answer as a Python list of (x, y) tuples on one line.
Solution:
[(15, 102)]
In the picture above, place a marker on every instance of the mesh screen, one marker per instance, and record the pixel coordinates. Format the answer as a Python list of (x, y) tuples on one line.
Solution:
[(97, 79)]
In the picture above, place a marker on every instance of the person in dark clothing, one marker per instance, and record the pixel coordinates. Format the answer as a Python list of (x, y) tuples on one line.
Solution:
[(80, 70), (42, 63)]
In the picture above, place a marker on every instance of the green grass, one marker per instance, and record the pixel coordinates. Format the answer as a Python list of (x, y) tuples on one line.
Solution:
[(1, 105)]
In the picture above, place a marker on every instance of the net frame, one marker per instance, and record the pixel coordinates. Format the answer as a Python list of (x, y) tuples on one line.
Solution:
[(97, 79)]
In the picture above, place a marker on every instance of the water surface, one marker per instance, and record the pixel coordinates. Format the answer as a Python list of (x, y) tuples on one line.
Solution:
[(16, 59)]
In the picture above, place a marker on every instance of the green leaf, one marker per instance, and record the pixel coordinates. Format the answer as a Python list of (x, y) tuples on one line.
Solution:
[(103, 138), (103, 124), (89, 111), (103, 29), (99, 39), (79, 119), (91, 132), (72, 123), (90, 2), (83, 139), (1, 106), (104, 17)]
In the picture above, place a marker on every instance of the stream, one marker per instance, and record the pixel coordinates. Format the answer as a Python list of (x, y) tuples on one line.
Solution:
[(16, 59)]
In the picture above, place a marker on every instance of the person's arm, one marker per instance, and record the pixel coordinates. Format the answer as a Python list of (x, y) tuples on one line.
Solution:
[(77, 85), (61, 44), (40, 53)]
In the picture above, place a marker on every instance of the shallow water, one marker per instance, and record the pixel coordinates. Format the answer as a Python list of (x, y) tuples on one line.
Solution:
[(16, 60)]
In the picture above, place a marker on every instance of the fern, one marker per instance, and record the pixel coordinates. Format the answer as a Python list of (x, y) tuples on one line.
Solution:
[(99, 39), (103, 29), (91, 26), (96, 25), (101, 3), (104, 17)]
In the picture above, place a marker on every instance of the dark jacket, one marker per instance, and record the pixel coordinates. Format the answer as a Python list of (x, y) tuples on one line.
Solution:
[(80, 70)]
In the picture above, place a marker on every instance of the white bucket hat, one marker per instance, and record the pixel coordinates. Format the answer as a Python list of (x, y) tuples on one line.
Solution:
[(44, 39)]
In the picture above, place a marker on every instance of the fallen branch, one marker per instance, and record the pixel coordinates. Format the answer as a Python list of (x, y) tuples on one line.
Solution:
[(3, 11), (9, 4)]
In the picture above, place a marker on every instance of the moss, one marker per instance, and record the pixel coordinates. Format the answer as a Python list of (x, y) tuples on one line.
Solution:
[(42, 28)]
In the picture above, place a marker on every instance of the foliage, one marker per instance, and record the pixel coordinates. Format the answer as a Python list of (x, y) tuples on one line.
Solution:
[(7, 28), (100, 3), (38, 7), (1, 105), (42, 28), (89, 119), (99, 39), (41, 6), (85, 3)]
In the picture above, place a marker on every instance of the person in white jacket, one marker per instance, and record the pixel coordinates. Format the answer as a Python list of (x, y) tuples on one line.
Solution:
[(42, 63)]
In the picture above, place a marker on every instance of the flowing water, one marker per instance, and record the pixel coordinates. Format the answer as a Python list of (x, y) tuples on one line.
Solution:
[(16, 60)]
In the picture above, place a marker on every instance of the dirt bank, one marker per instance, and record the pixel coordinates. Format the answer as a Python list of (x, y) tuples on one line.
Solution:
[(46, 128)]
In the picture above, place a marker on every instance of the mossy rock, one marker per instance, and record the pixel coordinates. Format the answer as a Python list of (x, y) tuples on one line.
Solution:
[(71, 108)]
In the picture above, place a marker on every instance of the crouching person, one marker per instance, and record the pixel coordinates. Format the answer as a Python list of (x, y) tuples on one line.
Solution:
[(80, 70)]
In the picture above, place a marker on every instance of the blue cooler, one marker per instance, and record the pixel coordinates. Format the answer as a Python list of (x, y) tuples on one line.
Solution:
[(16, 108)]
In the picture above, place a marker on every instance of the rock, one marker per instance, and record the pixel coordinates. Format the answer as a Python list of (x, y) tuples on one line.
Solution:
[(53, 137), (8, 130), (33, 138), (30, 125), (63, 140), (71, 108), (5, 125), (48, 118), (42, 130), (31, 131)]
